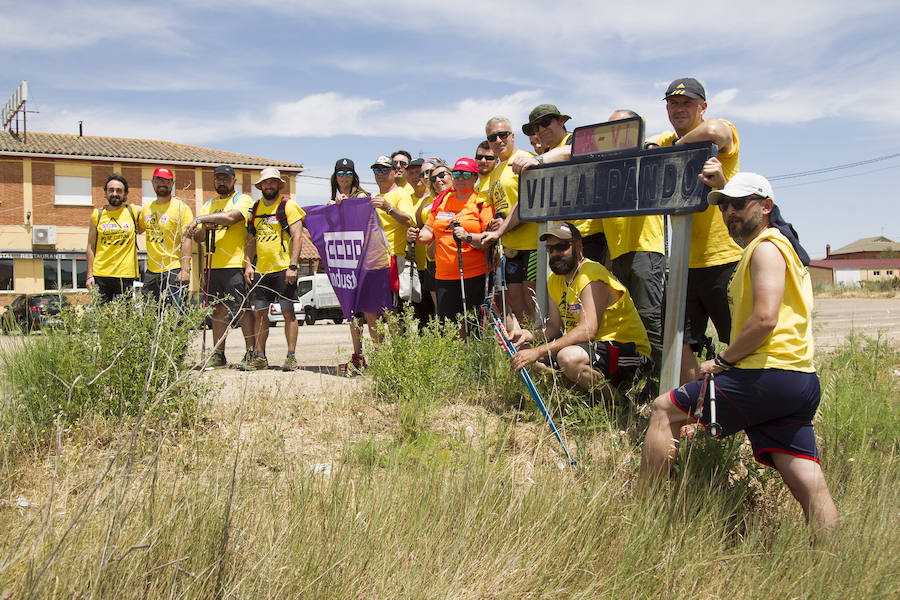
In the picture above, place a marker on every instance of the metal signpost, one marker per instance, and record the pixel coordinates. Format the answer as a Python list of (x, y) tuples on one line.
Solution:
[(629, 183)]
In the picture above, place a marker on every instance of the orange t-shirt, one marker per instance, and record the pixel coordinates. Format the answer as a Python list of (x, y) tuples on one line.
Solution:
[(472, 220)]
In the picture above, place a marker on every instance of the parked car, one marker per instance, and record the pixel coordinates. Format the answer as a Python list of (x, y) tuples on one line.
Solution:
[(32, 312), (275, 315)]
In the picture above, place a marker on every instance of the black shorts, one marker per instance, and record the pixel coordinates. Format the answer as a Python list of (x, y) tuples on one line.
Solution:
[(449, 295), (775, 407), (164, 285), (707, 298), (110, 287), (428, 278), (269, 288), (522, 267), (618, 362), (227, 286)]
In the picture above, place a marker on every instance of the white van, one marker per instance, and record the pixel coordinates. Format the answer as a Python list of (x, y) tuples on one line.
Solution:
[(316, 300)]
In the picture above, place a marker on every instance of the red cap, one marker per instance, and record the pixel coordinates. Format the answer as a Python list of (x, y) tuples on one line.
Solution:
[(466, 164), (163, 173)]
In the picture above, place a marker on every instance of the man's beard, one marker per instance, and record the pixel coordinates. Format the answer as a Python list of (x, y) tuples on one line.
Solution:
[(115, 200), (163, 191), (223, 189), (739, 229), (563, 263), (270, 194)]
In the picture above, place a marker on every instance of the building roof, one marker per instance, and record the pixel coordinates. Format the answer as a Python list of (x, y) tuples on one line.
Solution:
[(856, 263), (307, 248), (130, 150), (871, 244)]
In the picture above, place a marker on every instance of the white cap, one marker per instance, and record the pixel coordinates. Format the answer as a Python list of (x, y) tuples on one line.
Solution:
[(742, 185), (269, 173)]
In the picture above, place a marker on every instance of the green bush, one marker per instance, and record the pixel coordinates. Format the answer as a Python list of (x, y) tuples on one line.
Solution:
[(122, 359)]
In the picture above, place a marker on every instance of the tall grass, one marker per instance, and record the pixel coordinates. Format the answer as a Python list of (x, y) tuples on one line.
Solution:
[(207, 515)]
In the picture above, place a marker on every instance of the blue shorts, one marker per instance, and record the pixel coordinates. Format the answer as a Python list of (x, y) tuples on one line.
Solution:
[(775, 407), (522, 267)]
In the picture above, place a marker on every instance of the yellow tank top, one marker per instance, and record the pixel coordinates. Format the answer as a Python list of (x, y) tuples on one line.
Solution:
[(503, 189), (711, 244), (115, 254), (620, 322), (790, 346)]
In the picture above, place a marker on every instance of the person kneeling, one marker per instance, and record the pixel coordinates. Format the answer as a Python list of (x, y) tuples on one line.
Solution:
[(593, 330)]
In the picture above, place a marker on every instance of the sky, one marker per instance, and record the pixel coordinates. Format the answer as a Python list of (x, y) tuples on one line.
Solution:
[(809, 85)]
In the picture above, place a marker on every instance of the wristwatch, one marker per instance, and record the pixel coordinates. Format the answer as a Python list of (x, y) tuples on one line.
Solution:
[(540, 159), (293, 267), (469, 238)]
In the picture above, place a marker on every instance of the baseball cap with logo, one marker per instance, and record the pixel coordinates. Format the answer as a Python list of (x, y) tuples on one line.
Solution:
[(562, 231), (226, 169), (268, 173), (163, 173), (465, 164), (344, 164), (539, 112), (743, 185), (686, 86), (382, 161)]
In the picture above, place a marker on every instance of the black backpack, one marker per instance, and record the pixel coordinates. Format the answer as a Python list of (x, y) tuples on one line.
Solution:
[(280, 214)]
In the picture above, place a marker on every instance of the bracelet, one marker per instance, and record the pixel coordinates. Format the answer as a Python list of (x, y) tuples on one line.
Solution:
[(540, 159), (722, 362)]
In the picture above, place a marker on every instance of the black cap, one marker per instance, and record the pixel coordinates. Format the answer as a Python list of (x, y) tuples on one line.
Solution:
[(416, 162), (344, 164), (686, 86), (224, 169)]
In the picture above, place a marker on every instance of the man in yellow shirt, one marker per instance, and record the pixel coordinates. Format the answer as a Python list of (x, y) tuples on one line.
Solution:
[(593, 331), (519, 239), (764, 380), (165, 220), (274, 236), (112, 263), (713, 254), (401, 159), (221, 224)]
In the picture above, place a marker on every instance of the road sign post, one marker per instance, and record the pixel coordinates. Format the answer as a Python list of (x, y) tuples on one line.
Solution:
[(629, 183)]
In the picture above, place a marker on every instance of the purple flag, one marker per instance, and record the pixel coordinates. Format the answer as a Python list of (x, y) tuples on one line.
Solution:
[(354, 253)]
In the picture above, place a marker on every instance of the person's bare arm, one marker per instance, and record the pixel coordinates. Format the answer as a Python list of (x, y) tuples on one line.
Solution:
[(89, 250), (712, 174), (767, 273), (249, 255), (711, 130), (213, 221), (296, 231), (420, 236), (187, 247), (555, 155)]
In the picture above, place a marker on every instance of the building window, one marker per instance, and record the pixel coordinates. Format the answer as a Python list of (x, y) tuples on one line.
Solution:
[(73, 191), (147, 191), (65, 274), (6, 275), (876, 273), (890, 272)]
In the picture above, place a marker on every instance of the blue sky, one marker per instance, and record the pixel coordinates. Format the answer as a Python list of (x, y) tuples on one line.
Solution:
[(809, 85)]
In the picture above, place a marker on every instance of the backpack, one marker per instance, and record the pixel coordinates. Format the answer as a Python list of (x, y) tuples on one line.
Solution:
[(280, 214)]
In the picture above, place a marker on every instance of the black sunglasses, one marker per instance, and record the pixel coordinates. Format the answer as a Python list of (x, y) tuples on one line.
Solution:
[(437, 176), (485, 157), (543, 122), (737, 203), (399, 164), (500, 134), (551, 248)]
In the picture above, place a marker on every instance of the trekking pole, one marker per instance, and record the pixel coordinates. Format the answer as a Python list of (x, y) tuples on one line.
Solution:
[(489, 310), (462, 283), (502, 259), (715, 429), (411, 255)]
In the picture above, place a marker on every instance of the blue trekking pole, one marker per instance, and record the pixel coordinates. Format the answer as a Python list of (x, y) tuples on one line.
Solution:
[(489, 310)]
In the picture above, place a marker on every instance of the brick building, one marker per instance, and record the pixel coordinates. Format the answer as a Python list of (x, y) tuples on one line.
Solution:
[(872, 247), (50, 183)]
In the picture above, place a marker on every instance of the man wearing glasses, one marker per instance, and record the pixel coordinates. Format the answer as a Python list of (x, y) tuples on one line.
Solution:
[(486, 163), (713, 254), (765, 378), (593, 331), (394, 208), (401, 159), (519, 239)]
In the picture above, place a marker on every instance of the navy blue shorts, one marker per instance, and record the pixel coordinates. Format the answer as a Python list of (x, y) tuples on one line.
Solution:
[(775, 407), (522, 267)]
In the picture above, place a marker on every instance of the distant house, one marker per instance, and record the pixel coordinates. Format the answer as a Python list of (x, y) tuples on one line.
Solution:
[(873, 247), (834, 272), (50, 183)]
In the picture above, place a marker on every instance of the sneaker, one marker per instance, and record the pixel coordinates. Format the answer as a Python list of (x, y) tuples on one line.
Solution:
[(215, 361), (290, 363), (252, 362)]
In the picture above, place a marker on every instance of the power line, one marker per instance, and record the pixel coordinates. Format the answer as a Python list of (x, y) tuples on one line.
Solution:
[(781, 187), (834, 168)]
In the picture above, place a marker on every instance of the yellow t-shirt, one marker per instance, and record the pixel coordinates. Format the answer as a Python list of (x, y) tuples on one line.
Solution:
[(421, 249), (115, 254), (394, 231), (504, 194), (164, 225), (710, 243), (229, 252), (634, 234), (790, 346), (620, 322), (273, 242)]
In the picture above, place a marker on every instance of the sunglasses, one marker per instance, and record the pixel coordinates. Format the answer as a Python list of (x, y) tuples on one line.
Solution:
[(485, 157), (399, 164), (463, 175), (344, 173), (500, 134), (736, 203), (437, 176), (543, 122), (551, 248), (381, 170)]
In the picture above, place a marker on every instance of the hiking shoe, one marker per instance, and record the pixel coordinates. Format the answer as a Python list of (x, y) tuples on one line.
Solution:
[(216, 361), (254, 363), (290, 363)]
